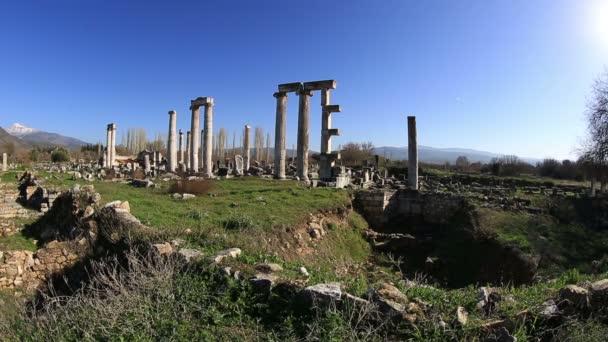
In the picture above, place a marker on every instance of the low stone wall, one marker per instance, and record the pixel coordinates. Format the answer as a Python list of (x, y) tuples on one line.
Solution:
[(380, 207), (27, 270)]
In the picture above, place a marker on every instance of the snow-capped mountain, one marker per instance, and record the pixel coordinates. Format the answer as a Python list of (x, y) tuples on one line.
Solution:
[(38, 137), (20, 130)]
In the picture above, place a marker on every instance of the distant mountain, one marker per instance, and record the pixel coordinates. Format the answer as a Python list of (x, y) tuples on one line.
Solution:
[(37, 137), (441, 155), (10, 144)]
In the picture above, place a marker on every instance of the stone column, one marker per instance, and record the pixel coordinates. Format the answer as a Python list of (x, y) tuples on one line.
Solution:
[(303, 131), (208, 143), (147, 164), (181, 147), (112, 161), (172, 142), (188, 147), (4, 162), (201, 162), (325, 122), (194, 139), (412, 146), (280, 152), (108, 144), (247, 149)]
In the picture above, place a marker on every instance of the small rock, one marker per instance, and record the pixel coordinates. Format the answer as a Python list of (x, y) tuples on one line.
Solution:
[(190, 254), (163, 248), (228, 253), (598, 297), (549, 308), (268, 268), (262, 283), (188, 196), (176, 196), (576, 295), (304, 271), (125, 206), (462, 316), (322, 294)]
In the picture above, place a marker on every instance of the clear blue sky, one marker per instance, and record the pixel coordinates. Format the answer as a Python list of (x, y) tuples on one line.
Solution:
[(507, 76)]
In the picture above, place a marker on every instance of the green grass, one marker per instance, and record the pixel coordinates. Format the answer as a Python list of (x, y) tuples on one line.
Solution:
[(17, 242), (562, 245)]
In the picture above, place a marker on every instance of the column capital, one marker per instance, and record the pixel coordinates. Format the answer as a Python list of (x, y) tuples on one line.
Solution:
[(201, 101), (172, 112), (303, 91), (280, 94)]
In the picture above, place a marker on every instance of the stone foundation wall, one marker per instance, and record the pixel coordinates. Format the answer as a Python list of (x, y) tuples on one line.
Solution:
[(28, 270), (379, 207)]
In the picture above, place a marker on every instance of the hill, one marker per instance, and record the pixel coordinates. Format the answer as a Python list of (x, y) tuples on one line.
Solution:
[(10, 144), (441, 155), (45, 139)]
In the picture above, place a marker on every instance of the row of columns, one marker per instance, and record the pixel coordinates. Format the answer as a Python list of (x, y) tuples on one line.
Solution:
[(110, 156), (304, 92)]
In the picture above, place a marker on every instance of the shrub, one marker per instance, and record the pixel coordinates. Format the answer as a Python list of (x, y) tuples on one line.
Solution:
[(195, 187), (238, 221), (60, 155)]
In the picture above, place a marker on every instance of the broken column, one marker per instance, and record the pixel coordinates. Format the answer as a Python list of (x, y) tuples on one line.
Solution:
[(4, 162), (412, 146), (147, 164), (246, 148), (172, 142), (327, 159), (303, 131), (279, 135), (181, 148)]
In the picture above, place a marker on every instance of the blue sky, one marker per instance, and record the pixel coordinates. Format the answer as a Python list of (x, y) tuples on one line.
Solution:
[(507, 76)]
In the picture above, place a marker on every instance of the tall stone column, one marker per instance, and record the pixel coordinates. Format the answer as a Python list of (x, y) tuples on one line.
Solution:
[(246, 148), (208, 144), (412, 146), (325, 122), (172, 142), (181, 147), (194, 139), (4, 162), (201, 162), (280, 152), (303, 132), (188, 147), (112, 160), (108, 146)]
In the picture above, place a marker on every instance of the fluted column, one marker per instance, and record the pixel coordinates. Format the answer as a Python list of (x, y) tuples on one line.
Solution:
[(303, 132), (194, 139), (172, 142), (279, 135), (246, 148), (4, 162), (208, 143), (412, 146)]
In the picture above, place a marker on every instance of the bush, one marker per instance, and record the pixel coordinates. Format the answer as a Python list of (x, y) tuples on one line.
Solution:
[(60, 155), (195, 187), (238, 221)]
